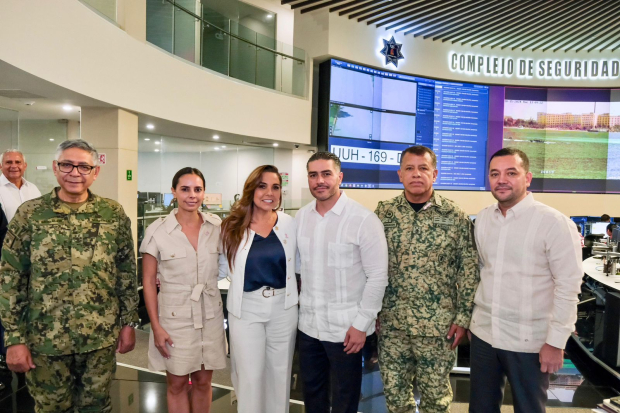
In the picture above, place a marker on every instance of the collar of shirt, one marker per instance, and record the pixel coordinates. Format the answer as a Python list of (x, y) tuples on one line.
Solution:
[(171, 222), (518, 209), (434, 201), (91, 205), (5, 181), (337, 208)]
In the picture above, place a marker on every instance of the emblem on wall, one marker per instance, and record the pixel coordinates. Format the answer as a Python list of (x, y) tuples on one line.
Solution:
[(391, 51)]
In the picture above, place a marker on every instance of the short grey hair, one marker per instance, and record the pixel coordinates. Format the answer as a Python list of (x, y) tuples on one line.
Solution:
[(80, 144), (12, 151)]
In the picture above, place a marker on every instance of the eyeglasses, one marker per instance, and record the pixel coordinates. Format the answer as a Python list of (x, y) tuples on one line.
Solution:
[(67, 168)]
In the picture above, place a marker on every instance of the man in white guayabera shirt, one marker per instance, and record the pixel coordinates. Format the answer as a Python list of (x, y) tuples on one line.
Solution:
[(14, 189), (525, 307), (344, 263)]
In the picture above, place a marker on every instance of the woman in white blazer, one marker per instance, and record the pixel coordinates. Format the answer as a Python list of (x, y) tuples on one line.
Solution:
[(259, 246)]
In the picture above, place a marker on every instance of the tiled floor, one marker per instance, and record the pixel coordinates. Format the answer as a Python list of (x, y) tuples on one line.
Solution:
[(579, 385), (136, 391)]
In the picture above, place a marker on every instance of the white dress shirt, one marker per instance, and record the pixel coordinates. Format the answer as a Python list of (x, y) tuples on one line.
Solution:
[(12, 197), (344, 262), (530, 276)]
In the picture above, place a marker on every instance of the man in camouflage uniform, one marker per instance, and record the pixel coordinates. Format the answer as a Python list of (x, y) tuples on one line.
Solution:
[(68, 296), (433, 274)]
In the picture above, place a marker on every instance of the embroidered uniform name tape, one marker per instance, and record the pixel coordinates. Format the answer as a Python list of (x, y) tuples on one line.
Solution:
[(443, 220)]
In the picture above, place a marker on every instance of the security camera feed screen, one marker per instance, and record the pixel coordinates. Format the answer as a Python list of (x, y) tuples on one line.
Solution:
[(572, 136), (374, 115)]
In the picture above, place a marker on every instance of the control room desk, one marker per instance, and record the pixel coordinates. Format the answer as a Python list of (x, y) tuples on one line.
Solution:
[(593, 267)]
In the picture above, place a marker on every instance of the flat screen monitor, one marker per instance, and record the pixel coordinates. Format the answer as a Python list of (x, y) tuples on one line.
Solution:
[(599, 228), (368, 117), (371, 116), (615, 235), (168, 197)]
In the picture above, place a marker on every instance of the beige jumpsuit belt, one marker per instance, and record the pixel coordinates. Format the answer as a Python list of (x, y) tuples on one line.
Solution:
[(197, 293)]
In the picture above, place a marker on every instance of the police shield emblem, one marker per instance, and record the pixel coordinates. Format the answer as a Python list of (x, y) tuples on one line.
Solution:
[(391, 51)]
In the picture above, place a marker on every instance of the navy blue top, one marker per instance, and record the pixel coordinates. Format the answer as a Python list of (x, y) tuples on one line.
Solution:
[(266, 264)]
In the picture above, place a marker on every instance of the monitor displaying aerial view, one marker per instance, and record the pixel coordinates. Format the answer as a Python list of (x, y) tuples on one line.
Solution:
[(572, 136)]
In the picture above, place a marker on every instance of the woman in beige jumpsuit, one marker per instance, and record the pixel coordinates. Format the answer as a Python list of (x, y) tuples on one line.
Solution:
[(187, 323)]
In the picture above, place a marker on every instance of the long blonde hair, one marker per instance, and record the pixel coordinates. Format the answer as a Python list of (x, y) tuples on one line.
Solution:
[(237, 224)]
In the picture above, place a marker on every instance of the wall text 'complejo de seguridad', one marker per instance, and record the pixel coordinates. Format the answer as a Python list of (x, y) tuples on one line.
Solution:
[(495, 66)]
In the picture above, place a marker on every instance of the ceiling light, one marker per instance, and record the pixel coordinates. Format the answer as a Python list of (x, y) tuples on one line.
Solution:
[(147, 139), (51, 139), (150, 126), (216, 148), (157, 143), (269, 16), (216, 137), (156, 150), (67, 108), (275, 144), (223, 146)]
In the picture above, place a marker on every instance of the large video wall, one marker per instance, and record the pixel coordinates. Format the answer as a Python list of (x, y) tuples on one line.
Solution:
[(368, 116)]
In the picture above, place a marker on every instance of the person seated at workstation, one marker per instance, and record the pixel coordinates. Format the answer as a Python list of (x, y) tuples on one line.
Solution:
[(610, 229), (605, 218)]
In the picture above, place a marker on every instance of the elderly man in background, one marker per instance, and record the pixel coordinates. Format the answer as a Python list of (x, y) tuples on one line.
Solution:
[(14, 188), (14, 191)]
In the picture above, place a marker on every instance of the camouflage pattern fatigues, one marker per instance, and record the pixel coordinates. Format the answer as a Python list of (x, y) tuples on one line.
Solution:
[(433, 275), (67, 279), (88, 395)]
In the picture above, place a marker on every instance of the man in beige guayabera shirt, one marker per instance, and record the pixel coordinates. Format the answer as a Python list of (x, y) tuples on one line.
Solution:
[(525, 307)]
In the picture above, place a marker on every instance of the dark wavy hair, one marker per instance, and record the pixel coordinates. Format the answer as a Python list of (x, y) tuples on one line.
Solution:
[(237, 224)]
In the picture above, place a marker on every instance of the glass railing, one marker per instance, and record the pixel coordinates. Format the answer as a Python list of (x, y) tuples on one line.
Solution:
[(105, 7), (188, 29)]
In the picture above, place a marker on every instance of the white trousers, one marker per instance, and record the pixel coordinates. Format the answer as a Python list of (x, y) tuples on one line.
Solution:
[(262, 343)]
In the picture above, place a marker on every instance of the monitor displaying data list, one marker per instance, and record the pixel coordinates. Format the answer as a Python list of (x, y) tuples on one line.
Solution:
[(369, 116), (374, 115)]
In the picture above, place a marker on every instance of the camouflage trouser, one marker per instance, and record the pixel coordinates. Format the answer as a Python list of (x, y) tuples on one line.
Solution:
[(428, 360), (73, 383)]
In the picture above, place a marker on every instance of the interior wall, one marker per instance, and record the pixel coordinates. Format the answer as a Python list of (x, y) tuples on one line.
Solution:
[(283, 160), (120, 70), (285, 18), (225, 172), (299, 180), (38, 140), (105, 7), (8, 133)]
